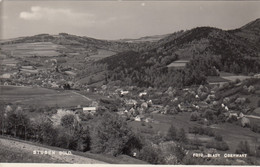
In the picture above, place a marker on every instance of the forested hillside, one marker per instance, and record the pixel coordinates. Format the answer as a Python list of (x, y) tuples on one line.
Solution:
[(207, 49)]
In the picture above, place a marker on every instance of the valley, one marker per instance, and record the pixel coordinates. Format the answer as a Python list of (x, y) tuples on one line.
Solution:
[(158, 99)]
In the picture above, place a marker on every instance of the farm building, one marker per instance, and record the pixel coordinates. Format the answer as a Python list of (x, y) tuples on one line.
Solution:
[(142, 94), (124, 92), (70, 73), (28, 67), (131, 102), (91, 110), (139, 118), (6, 76), (179, 64)]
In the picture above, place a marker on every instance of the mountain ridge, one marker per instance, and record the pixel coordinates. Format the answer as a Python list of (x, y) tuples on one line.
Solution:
[(146, 62)]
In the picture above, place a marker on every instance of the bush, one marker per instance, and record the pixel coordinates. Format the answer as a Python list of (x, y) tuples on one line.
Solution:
[(208, 131), (65, 140), (151, 155), (243, 148), (179, 152), (218, 138), (194, 130), (67, 121), (194, 116), (209, 114), (251, 89), (255, 128), (85, 117), (172, 133), (232, 119), (201, 131), (219, 145)]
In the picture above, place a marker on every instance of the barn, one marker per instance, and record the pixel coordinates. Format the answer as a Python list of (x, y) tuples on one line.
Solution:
[(89, 110)]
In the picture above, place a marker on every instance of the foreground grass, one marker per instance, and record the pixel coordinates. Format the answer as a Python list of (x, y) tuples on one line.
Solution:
[(14, 156)]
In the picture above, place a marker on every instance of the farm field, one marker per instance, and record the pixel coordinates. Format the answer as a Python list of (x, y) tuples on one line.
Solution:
[(22, 151), (162, 123), (102, 54), (42, 49), (8, 154), (178, 64), (231, 133), (216, 79), (41, 96), (233, 77), (8, 62)]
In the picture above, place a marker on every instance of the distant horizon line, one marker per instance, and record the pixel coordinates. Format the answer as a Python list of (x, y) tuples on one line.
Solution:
[(128, 38)]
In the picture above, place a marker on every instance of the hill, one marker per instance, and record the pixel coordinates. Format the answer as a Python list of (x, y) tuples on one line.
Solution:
[(74, 43), (206, 49), (153, 38), (250, 33)]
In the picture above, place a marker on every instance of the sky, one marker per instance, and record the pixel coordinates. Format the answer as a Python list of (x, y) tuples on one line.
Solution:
[(120, 19)]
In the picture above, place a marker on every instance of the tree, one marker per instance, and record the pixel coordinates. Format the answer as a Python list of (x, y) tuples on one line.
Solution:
[(45, 131), (182, 136), (2, 117), (179, 152), (17, 123), (66, 86), (172, 133), (67, 121), (194, 116), (111, 134), (151, 154)]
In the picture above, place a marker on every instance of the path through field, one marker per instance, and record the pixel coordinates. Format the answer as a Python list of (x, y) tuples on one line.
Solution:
[(252, 116), (81, 95), (29, 148)]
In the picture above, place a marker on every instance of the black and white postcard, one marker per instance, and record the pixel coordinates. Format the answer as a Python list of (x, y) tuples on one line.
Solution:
[(130, 82)]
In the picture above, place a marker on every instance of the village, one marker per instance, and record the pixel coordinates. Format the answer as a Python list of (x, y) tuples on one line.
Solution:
[(130, 102)]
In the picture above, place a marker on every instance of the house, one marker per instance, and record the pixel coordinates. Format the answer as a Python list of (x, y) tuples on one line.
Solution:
[(28, 67), (124, 92), (131, 102), (179, 64), (245, 122), (233, 114), (142, 94), (139, 118), (89, 110), (148, 119), (226, 108), (241, 115), (185, 107)]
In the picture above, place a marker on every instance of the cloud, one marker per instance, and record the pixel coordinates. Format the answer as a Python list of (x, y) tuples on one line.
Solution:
[(63, 16)]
